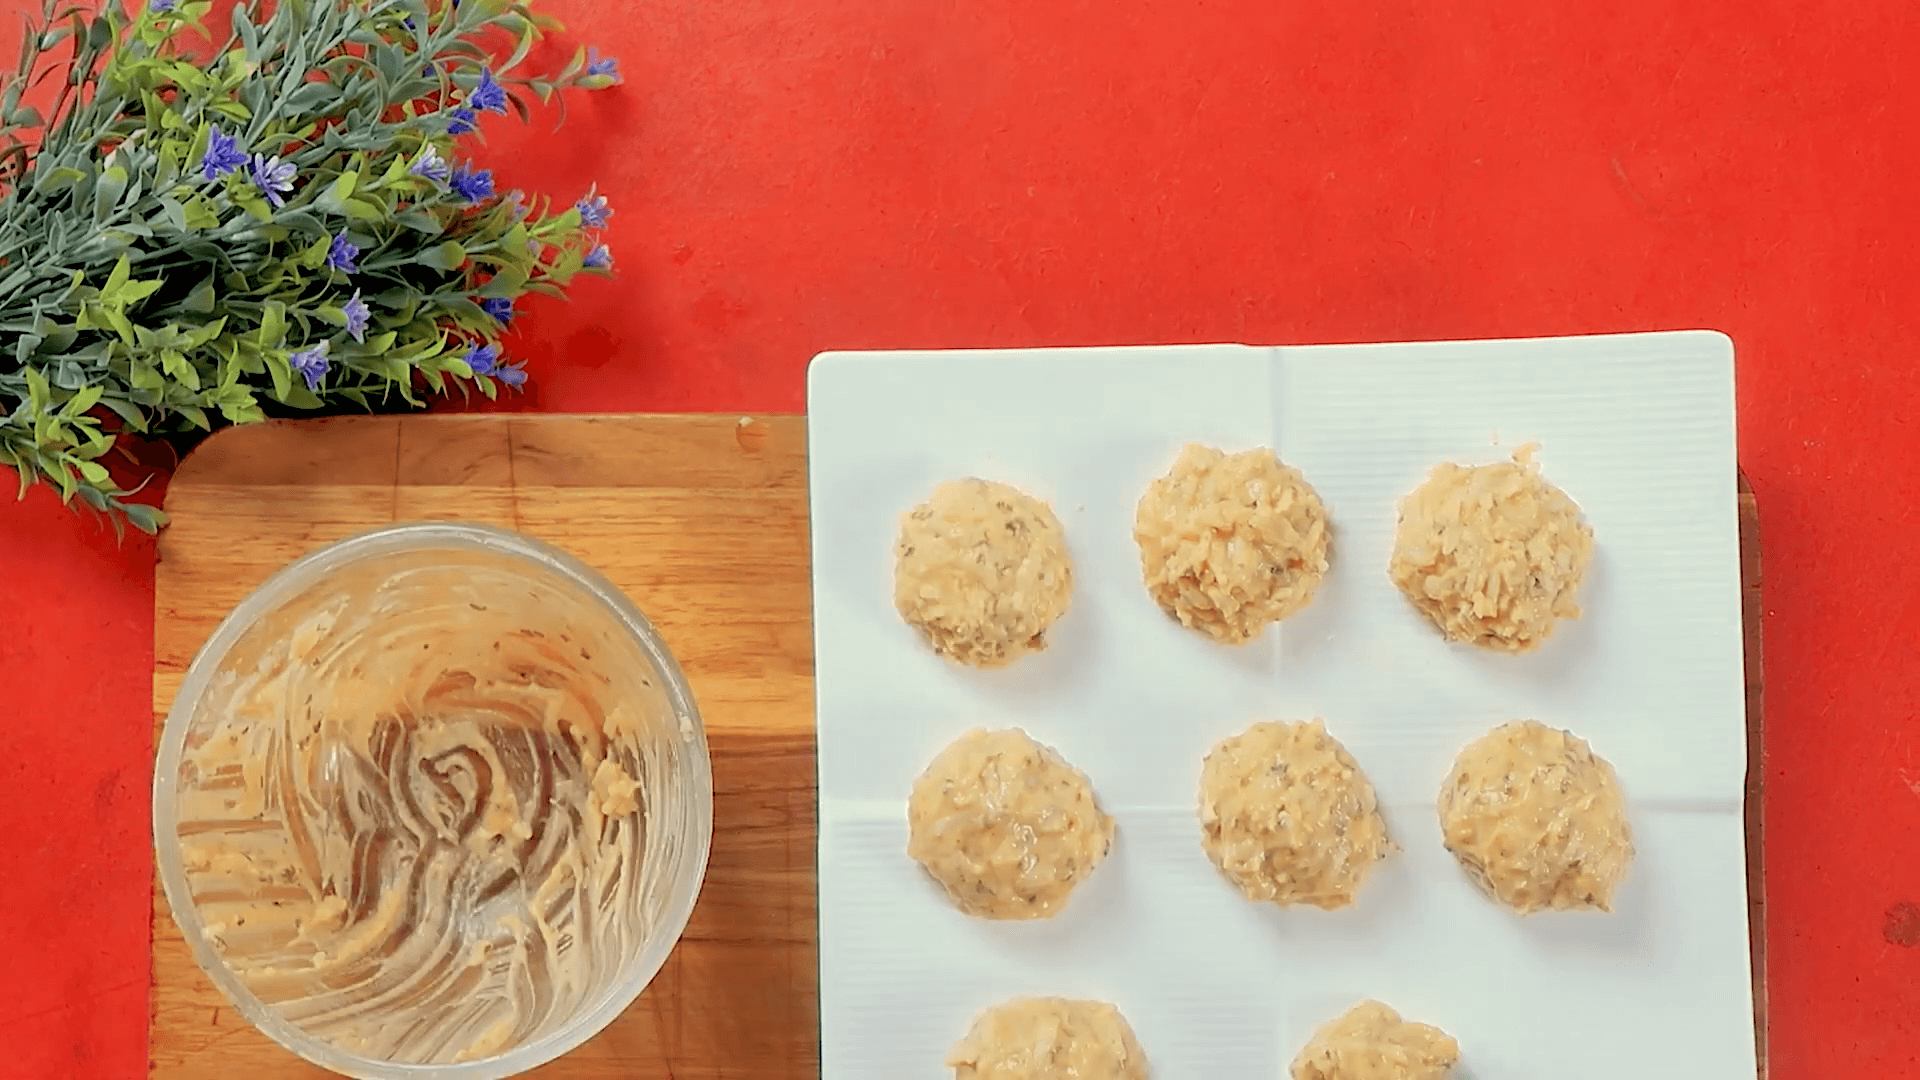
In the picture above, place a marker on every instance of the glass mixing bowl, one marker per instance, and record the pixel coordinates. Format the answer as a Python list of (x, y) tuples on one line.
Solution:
[(434, 802)]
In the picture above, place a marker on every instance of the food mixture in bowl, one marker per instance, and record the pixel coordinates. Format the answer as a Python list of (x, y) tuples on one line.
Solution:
[(432, 807)]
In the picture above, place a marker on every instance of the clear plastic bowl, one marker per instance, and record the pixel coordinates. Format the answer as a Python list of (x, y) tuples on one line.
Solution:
[(433, 803)]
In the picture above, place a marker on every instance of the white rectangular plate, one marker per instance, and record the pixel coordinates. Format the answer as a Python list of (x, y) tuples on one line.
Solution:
[(1638, 429)]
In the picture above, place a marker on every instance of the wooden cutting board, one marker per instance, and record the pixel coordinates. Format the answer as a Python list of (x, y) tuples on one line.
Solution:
[(703, 521)]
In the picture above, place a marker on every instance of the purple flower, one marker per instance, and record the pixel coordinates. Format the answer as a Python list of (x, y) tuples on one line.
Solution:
[(431, 165), (357, 315), (500, 307), (311, 364), (593, 210), (599, 258), (462, 122), (483, 359), (517, 199), (223, 154), (607, 66), (472, 185), (273, 177), (487, 94), (342, 254), (160, 5)]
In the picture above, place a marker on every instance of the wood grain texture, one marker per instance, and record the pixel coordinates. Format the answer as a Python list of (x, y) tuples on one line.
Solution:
[(703, 521), (1756, 763)]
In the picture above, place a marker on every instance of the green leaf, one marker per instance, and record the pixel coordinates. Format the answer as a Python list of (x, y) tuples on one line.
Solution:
[(93, 472), (174, 363), (244, 29), (239, 407), (447, 256), (421, 349), (21, 467), (511, 281), (36, 390), (230, 374), (309, 97), (302, 398), (58, 179), (127, 412), (253, 203), (281, 374), (147, 519), (364, 210), (200, 213), (419, 221), (142, 375), (315, 255), (302, 223), (120, 323), (83, 399), (174, 213), (343, 186), (60, 336), (527, 37), (200, 300), (117, 280), (273, 324), (136, 291), (107, 191), (206, 333), (187, 77)]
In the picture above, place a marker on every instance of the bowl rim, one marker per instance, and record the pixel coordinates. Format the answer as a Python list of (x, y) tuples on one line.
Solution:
[(288, 582)]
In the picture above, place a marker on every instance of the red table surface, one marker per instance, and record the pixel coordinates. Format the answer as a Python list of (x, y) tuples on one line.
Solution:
[(798, 175)]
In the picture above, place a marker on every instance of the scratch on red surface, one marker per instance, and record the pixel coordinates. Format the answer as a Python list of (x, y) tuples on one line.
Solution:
[(66, 1006)]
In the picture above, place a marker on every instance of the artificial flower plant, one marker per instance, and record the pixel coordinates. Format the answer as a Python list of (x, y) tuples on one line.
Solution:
[(284, 222)]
